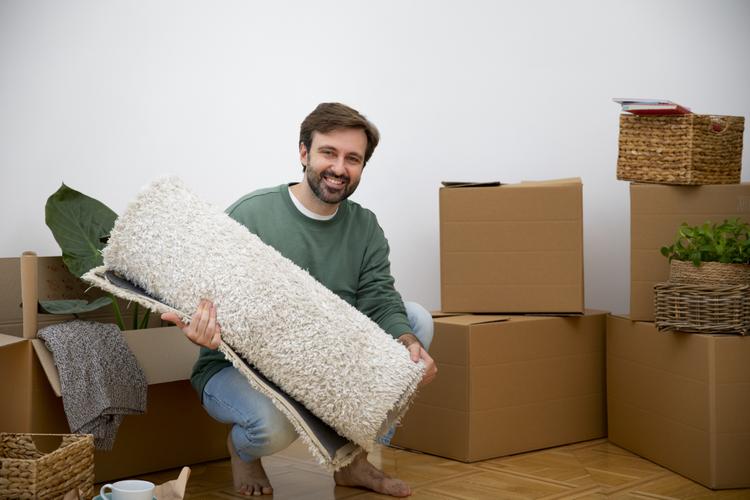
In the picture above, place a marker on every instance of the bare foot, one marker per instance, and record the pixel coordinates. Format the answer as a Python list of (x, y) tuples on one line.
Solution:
[(249, 477), (362, 474)]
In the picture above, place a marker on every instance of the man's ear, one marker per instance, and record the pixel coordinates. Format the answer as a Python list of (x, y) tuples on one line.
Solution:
[(303, 155)]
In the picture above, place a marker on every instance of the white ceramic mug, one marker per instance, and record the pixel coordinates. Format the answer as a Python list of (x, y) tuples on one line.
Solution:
[(132, 489)]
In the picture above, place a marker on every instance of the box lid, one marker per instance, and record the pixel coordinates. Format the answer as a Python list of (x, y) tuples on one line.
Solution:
[(527, 183), (463, 184), (441, 314)]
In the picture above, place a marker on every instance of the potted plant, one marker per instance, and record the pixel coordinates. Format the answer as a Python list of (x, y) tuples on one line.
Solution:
[(81, 226), (710, 253), (709, 280)]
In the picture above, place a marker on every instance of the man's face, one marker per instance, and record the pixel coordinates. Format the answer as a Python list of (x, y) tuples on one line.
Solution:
[(334, 163)]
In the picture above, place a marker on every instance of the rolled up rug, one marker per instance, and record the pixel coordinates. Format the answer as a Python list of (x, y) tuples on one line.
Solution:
[(278, 323)]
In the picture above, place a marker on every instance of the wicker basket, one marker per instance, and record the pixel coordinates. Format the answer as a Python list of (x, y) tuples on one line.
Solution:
[(702, 308), (707, 273), (711, 298), (680, 149), (29, 473)]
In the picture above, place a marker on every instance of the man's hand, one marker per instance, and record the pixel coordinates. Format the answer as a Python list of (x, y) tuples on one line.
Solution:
[(417, 352), (203, 328)]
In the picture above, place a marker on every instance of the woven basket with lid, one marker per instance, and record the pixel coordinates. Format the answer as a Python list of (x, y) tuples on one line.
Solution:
[(680, 149)]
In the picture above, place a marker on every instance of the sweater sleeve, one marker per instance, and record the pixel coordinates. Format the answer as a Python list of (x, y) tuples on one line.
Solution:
[(376, 296)]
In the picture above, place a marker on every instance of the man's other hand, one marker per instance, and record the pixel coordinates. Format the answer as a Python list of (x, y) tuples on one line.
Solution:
[(417, 352), (203, 328)]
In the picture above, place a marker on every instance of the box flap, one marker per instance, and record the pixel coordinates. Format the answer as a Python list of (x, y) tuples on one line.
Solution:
[(473, 319), (549, 182), (9, 339), (461, 184), (164, 355), (48, 365), (441, 314)]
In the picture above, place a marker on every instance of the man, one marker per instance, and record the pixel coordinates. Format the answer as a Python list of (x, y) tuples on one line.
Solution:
[(340, 244)]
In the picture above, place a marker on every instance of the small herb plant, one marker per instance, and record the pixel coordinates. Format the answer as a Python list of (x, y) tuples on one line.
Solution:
[(728, 242)]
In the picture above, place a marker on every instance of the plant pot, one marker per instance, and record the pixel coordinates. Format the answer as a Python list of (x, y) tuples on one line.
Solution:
[(709, 273), (711, 298)]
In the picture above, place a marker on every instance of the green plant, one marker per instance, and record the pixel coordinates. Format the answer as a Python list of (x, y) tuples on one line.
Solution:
[(728, 242), (81, 226)]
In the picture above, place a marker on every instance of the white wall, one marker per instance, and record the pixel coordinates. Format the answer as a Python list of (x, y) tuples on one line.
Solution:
[(107, 95)]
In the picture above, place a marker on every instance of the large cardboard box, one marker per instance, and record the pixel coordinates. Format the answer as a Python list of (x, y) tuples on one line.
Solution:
[(515, 248), (656, 212), (175, 430), (508, 385), (681, 400)]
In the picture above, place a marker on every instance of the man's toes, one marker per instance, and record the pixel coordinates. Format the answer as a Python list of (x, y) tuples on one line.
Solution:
[(261, 489), (396, 488)]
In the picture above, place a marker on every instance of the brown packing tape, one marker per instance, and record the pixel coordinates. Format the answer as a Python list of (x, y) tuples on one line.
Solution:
[(29, 293)]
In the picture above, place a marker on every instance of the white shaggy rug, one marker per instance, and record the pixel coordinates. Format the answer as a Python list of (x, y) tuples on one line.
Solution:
[(299, 335)]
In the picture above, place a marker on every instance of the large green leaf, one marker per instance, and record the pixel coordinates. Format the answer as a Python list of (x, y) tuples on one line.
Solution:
[(80, 224), (73, 306)]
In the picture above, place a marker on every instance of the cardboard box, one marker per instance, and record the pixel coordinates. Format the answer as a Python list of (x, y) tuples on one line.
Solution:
[(681, 400), (175, 430), (515, 248), (656, 212), (508, 385)]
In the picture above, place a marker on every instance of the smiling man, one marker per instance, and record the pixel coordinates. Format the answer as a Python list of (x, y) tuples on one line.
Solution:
[(341, 244)]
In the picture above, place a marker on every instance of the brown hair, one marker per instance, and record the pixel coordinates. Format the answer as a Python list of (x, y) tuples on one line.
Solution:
[(330, 116)]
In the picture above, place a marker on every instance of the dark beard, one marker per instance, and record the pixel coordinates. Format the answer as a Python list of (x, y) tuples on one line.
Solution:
[(318, 188)]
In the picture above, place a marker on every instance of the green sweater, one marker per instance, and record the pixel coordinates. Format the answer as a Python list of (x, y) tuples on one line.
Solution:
[(348, 254)]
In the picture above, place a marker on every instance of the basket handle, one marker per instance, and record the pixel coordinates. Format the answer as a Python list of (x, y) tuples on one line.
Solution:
[(718, 124), (47, 443)]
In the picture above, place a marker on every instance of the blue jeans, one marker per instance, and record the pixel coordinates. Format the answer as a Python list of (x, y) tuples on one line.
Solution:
[(260, 429)]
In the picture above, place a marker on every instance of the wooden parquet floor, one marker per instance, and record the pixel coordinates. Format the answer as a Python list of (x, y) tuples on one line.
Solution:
[(592, 469)]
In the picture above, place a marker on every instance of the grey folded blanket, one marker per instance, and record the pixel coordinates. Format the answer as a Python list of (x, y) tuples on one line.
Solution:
[(100, 379)]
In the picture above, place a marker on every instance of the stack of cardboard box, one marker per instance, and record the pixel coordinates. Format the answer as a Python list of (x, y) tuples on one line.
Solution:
[(532, 377), (680, 400)]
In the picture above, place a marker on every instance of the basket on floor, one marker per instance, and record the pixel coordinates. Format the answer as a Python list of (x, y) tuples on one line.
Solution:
[(680, 149), (27, 472), (711, 298)]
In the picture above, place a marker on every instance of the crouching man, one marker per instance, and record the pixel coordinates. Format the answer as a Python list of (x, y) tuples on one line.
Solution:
[(341, 244)]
